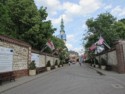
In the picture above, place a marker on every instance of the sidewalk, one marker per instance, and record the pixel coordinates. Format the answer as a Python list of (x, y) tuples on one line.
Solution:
[(19, 81), (111, 74)]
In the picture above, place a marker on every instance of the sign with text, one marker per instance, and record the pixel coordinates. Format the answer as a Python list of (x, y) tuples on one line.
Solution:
[(6, 59)]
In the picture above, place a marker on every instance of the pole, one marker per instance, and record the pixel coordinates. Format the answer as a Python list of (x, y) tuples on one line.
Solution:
[(44, 48)]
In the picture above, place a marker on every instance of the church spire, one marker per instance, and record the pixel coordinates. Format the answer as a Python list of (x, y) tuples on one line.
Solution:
[(62, 34), (62, 27)]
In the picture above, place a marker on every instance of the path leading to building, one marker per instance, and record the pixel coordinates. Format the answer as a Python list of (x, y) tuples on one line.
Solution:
[(72, 79)]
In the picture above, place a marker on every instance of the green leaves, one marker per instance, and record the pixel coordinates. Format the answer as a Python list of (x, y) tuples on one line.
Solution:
[(105, 25), (22, 20)]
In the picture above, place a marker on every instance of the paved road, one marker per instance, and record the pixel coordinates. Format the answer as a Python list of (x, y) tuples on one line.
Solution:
[(72, 79)]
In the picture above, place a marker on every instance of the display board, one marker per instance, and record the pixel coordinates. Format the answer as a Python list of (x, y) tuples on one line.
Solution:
[(6, 59), (35, 57)]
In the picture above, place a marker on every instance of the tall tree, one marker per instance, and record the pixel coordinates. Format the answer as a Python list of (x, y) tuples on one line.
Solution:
[(25, 17), (102, 25), (5, 19), (22, 20)]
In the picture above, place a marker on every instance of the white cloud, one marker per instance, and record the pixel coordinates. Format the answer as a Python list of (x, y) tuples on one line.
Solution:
[(81, 9), (68, 9), (118, 11), (80, 50), (52, 5), (56, 21), (70, 37), (69, 46), (107, 7)]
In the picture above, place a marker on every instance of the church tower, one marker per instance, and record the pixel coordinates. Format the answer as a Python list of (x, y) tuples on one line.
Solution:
[(62, 34)]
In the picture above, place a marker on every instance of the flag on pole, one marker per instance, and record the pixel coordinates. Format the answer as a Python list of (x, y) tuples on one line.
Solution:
[(50, 45), (100, 48), (93, 47), (100, 41)]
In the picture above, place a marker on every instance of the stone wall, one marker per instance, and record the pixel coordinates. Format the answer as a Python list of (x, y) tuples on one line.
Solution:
[(120, 51), (115, 57), (20, 54), (42, 61), (44, 58), (110, 57), (51, 59)]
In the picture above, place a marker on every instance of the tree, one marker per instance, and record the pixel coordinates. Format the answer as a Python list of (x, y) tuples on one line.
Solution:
[(25, 17), (119, 29), (22, 20), (102, 25), (5, 20)]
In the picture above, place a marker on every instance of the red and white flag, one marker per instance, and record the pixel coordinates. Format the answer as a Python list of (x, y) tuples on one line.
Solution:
[(50, 45), (100, 41), (93, 47)]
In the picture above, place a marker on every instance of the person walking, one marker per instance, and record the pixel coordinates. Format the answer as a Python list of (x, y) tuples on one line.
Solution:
[(78, 62)]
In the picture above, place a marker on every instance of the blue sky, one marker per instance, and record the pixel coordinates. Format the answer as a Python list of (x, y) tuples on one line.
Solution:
[(75, 13)]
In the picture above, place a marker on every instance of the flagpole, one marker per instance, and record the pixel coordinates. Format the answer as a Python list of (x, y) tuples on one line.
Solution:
[(106, 45), (44, 48)]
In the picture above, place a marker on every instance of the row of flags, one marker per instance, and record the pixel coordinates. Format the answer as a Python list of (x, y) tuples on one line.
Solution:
[(99, 46)]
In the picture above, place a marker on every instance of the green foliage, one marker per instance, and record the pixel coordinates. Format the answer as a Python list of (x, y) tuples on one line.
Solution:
[(103, 25), (32, 65), (56, 62), (61, 62), (48, 64), (24, 16), (5, 20), (22, 20), (107, 26)]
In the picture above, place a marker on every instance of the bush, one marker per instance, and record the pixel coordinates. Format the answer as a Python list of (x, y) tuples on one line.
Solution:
[(61, 62), (56, 62), (32, 65), (103, 62), (48, 64)]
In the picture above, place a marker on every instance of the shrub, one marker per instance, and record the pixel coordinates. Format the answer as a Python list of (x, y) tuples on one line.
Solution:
[(32, 65), (61, 62), (103, 61), (56, 62), (48, 64)]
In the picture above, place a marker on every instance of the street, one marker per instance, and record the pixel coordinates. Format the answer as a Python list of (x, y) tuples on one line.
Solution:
[(72, 79)]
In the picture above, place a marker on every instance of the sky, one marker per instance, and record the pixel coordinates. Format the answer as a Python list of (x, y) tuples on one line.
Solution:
[(75, 14)]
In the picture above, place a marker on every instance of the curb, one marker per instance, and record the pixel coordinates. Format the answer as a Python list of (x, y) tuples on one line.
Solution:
[(98, 71), (18, 83)]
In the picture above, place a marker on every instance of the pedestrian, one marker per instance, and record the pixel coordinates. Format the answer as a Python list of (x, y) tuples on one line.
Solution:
[(78, 62), (69, 62), (81, 60)]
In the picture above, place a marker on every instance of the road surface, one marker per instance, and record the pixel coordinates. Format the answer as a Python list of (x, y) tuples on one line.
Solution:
[(72, 79)]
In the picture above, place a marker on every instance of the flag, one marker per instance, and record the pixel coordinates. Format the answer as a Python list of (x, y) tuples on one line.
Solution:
[(50, 45), (100, 48), (100, 41), (93, 47)]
